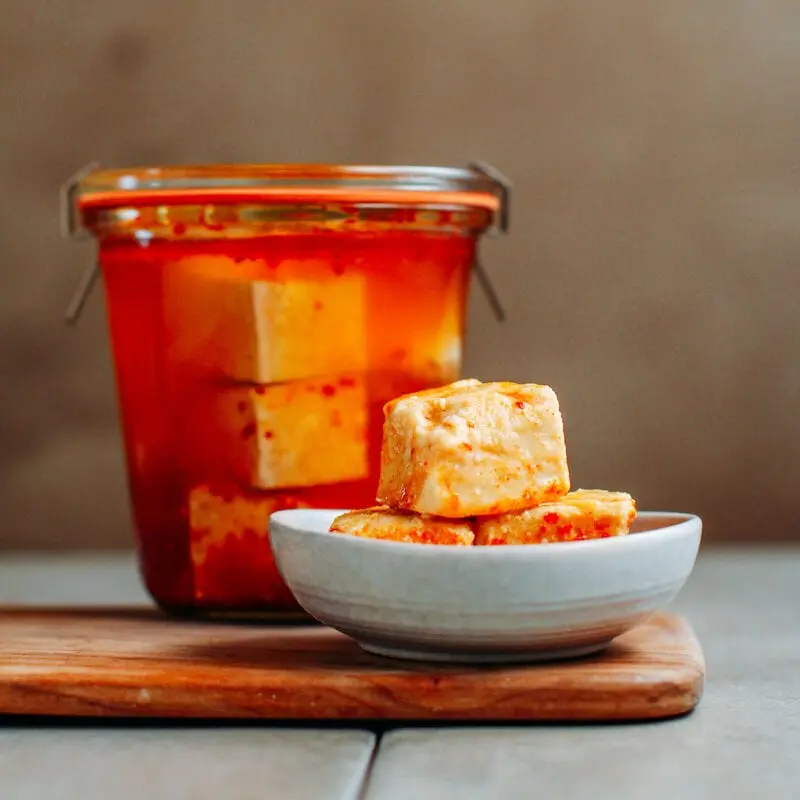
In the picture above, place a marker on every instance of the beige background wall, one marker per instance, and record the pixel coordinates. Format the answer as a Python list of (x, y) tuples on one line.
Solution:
[(653, 271)]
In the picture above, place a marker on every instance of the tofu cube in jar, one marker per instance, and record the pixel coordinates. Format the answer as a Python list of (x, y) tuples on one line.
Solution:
[(229, 546), (418, 326), (260, 331), (300, 433)]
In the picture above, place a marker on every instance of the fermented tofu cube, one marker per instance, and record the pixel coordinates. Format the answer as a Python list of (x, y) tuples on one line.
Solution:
[(385, 523), (416, 310), (473, 448), (289, 434), (264, 331), (436, 361), (230, 548), (582, 514)]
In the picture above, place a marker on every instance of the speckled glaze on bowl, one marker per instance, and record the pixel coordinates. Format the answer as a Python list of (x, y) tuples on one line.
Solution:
[(484, 604)]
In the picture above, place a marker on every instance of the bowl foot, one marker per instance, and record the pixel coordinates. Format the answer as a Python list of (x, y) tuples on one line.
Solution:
[(485, 657)]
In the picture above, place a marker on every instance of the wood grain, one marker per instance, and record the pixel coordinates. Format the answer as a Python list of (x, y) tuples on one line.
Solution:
[(132, 663)]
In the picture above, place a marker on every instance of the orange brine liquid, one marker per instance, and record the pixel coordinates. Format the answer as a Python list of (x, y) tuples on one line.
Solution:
[(252, 374)]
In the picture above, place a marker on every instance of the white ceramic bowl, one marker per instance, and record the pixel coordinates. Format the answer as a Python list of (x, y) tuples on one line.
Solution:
[(483, 604)]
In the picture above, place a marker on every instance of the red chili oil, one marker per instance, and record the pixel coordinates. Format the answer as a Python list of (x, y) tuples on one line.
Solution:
[(256, 340)]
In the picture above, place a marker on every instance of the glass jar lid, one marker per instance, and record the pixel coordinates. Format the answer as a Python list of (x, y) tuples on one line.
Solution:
[(476, 186), (479, 186)]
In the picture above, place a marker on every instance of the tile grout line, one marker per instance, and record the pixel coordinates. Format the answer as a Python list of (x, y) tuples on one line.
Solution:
[(367, 774)]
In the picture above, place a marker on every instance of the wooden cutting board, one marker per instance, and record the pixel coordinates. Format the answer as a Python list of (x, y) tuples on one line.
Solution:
[(138, 663)]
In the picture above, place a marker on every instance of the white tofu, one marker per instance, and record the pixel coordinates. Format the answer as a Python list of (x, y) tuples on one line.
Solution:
[(219, 515), (582, 514), (224, 324), (229, 545), (416, 320), (473, 448), (292, 434), (384, 523)]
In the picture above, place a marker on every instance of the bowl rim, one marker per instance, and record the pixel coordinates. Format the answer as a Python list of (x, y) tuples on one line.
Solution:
[(682, 523)]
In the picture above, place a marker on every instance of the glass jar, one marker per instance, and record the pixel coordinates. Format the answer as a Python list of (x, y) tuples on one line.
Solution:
[(260, 317)]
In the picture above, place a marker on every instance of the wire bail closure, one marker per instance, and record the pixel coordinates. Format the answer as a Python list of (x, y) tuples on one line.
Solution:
[(71, 230), (69, 224), (499, 227), (503, 183)]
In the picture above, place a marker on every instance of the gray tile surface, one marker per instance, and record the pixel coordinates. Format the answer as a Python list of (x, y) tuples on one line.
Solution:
[(742, 742), (175, 764), (70, 579)]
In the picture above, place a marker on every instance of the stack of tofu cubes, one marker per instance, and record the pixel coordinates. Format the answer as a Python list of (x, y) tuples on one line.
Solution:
[(484, 464), (278, 399)]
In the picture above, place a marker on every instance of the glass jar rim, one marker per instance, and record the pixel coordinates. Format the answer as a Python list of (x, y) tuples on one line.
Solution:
[(478, 186), (288, 183)]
